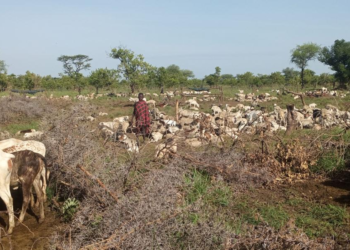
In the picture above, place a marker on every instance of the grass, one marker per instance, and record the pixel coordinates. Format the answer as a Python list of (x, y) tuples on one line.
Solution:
[(23, 125), (196, 185), (320, 220), (275, 216)]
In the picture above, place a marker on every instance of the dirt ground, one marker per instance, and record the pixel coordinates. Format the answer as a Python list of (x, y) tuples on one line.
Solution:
[(30, 234)]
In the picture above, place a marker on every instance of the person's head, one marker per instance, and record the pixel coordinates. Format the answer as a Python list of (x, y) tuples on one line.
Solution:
[(140, 96)]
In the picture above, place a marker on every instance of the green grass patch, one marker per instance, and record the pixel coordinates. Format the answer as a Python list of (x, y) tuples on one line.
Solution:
[(275, 216), (23, 125), (328, 162), (321, 220), (196, 185)]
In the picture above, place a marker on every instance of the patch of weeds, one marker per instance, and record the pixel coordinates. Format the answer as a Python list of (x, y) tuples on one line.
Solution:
[(69, 209), (50, 193), (328, 162), (196, 185), (220, 196), (180, 239), (274, 216), (247, 213), (295, 202), (193, 217), (235, 224), (97, 221), (321, 220)]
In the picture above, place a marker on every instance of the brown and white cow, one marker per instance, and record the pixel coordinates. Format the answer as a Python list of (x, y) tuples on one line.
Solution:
[(26, 172)]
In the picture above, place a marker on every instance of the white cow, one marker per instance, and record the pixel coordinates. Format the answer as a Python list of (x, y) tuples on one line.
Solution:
[(5, 179)]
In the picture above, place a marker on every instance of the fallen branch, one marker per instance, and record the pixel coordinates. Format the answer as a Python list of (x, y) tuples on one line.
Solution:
[(299, 94), (114, 196)]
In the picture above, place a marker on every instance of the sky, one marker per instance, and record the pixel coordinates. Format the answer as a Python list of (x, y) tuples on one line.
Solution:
[(199, 35)]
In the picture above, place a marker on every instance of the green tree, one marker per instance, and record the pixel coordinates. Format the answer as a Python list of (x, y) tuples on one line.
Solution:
[(277, 78), (31, 80), (49, 82), (73, 65), (102, 78), (3, 82), (302, 54), (338, 57), (310, 78), (246, 79), (327, 79), (133, 67), (228, 79), (213, 79), (161, 77), (2, 67), (289, 74)]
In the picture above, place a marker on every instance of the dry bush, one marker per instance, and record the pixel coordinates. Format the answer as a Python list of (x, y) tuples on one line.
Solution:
[(17, 107)]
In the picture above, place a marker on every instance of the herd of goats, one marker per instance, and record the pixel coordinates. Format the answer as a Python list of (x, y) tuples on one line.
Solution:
[(22, 162)]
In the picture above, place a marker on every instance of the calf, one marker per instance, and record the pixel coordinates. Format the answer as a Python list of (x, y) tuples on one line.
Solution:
[(26, 172)]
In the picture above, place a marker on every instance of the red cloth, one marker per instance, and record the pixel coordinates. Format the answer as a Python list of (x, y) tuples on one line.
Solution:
[(141, 113)]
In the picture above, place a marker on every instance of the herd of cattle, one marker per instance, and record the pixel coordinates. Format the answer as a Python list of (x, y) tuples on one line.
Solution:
[(22, 162), (195, 128)]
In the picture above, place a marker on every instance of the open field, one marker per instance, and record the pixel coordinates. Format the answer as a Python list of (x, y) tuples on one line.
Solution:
[(259, 190)]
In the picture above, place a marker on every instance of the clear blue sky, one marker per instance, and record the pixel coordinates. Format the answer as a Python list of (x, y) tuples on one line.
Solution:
[(198, 35)]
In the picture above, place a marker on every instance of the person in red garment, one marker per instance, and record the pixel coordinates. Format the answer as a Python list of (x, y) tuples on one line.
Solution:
[(141, 114)]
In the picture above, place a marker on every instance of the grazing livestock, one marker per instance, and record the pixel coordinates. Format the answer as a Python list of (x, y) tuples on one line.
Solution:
[(164, 150), (26, 172), (156, 136), (5, 178), (131, 145), (14, 145)]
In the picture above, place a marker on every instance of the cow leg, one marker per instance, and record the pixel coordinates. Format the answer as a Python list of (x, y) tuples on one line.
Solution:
[(5, 195), (26, 190), (40, 198), (44, 176)]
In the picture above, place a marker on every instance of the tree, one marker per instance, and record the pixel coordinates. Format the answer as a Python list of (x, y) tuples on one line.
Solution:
[(72, 66), (289, 74), (3, 82), (177, 76), (228, 79), (277, 78), (338, 57), (246, 79), (326, 79), (133, 67), (2, 67), (102, 78), (213, 79), (302, 54)]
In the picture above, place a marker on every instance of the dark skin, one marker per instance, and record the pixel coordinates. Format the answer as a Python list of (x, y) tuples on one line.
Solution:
[(132, 119)]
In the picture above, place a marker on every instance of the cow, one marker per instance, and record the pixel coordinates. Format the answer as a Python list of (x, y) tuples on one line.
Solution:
[(5, 179), (14, 145)]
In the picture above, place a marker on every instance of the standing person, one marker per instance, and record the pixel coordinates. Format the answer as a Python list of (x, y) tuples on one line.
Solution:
[(141, 114)]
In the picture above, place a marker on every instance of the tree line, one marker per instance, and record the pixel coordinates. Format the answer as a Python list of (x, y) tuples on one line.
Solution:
[(134, 71)]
